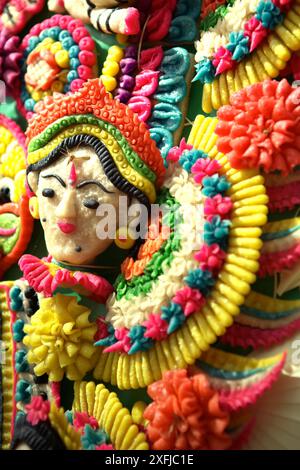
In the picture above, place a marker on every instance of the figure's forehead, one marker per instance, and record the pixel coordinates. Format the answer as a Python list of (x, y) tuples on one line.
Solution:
[(86, 162)]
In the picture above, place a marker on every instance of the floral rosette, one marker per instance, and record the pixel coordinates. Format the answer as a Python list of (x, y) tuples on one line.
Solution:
[(58, 56), (251, 42), (192, 272)]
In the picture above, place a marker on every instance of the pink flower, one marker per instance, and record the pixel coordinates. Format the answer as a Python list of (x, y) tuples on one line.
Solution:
[(156, 327), (204, 167), (123, 344), (81, 419), (104, 447), (37, 410), (256, 32), (210, 257), (217, 205), (176, 152), (189, 299), (102, 331), (222, 60)]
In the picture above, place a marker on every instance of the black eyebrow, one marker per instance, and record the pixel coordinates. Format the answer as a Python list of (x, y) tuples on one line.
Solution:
[(86, 182), (58, 178)]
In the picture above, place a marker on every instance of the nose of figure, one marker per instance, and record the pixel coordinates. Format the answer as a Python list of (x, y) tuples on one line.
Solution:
[(66, 212)]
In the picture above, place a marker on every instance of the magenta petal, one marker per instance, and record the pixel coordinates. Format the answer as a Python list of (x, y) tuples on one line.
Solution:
[(223, 66), (256, 39)]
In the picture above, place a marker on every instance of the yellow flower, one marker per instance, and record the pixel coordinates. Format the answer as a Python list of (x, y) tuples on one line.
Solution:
[(60, 339)]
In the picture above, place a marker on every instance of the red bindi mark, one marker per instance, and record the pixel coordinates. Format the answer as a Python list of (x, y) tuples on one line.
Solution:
[(73, 175)]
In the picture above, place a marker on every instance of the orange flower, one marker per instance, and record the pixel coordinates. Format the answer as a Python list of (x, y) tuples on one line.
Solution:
[(261, 127), (185, 414)]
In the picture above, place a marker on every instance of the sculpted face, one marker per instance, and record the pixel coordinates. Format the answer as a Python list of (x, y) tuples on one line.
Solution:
[(69, 193)]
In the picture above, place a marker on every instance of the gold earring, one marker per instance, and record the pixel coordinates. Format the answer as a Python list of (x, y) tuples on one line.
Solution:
[(123, 239), (34, 207)]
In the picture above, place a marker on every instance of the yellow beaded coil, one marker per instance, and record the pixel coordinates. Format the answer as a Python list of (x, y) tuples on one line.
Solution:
[(6, 369), (111, 68)]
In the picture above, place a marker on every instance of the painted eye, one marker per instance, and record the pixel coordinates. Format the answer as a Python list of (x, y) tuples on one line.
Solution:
[(91, 203), (4, 195), (47, 192)]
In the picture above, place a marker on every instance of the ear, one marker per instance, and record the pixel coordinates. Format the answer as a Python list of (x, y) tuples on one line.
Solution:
[(32, 180)]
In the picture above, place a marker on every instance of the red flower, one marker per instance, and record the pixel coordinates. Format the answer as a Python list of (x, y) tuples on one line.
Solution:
[(211, 257), (222, 60), (204, 167), (176, 152), (261, 127), (37, 410), (81, 419), (102, 331), (283, 5), (104, 447), (189, 299), (185, 414), (156, 327), (123, 344), (217, 205), (256, 32)]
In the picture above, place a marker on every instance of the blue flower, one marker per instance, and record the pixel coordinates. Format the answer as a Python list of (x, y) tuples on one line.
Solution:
[(213, 185), (201, 280), (189, 158), (138, 339), (216, 231), (174, 315), (108, 340), (269, 14), (205, 71), (23, 391), (69, 415), (16, 299), (238, 45), (93, 437), (21, 364), (18, 331)]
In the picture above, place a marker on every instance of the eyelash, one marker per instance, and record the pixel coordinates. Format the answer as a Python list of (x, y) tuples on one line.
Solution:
[(91, 204), (48, 192)]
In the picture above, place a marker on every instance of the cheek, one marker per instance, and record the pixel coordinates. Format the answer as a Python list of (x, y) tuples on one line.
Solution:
[(46, 207)]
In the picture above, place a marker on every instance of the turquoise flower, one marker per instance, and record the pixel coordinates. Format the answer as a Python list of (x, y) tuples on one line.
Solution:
[(216, 231), (174, 315), (23, 391), (108, 340), (69, 415), (190, 157), (21, 364), (18, 331), (138, 339), (205, 71), (19, 415), (201, 280), (93, 437), (213, 185), (16, 299), (238, 45), (269, 14)]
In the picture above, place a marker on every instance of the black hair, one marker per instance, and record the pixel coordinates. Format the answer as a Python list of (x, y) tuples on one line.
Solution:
[(109, 167), (39, 437)]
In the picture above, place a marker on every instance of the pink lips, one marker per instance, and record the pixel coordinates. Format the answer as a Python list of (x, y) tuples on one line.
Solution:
[(65, 227), (7, 232)]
